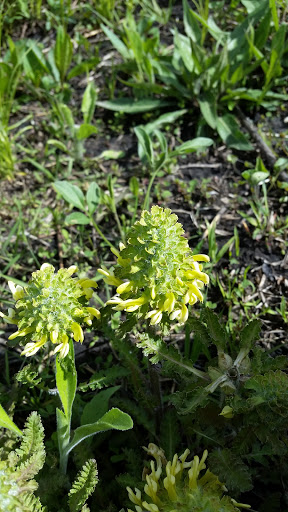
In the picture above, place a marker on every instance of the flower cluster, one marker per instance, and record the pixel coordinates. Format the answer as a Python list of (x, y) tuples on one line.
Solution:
[(156, 272), (52, 306), (181, 488)]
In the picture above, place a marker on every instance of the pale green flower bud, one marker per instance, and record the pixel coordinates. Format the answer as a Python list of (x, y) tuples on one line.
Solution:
[(156, 273), (52, 307)]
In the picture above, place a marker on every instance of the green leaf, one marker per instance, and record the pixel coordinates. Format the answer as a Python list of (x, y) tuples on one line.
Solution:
[(93, 197), (192, 145), (63, 52), (71, 193), (89, 102), (117, 43), (168, 118), (207, 104), (85, 130), (133, 106), (146, 144), (83, 486), (113, 419), (215, 329), (231, 134), (77, 218), (98, 406), (231, 470), (6, 422), (111, 154), (66, 380), (58, 144), (191, 26)]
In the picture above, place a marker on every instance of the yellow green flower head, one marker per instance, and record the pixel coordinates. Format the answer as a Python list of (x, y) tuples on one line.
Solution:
[(177, 486), (156, 272), (52, 306)]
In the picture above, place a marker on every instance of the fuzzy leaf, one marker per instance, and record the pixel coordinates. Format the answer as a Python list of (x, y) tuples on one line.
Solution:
[(31, 453), (250, 334), (215, 329), (98, 406)]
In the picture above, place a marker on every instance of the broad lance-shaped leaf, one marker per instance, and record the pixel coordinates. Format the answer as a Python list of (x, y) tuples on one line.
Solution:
[(6, 422), (215, 329), (71, 193), (66, 380), (113, 419), (98, 406), (231, 470)]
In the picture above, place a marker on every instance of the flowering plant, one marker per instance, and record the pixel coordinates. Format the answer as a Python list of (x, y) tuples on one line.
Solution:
[(52, 306), (156, 272)]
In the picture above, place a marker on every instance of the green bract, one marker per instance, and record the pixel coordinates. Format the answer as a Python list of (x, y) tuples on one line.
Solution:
[(52, 306), (156, 271), (181, 489)]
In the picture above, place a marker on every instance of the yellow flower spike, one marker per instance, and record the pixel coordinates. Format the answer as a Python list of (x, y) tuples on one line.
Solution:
[(129, 303), (175, 491), (50, 307), (77, 332), (158, 263), (94, 312)]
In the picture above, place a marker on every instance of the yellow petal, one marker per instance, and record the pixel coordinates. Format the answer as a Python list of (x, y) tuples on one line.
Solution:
[(77, 332), (94, 312), (88, 283), (23, 332), (201, 257), (124, 287), (71, 270)]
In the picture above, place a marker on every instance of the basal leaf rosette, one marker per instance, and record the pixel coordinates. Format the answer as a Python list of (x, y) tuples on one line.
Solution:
[(156, 272), (178, 486), (51, 307)]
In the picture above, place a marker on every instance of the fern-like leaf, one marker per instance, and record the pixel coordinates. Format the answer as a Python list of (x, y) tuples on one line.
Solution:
[(83, 486), (231, 470), (30, 457)]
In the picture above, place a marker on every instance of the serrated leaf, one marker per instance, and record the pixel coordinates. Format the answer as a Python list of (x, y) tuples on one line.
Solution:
[(215, 329), (71, 193), (250, 334), (231, 470), (187, 402), (83, 486)]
